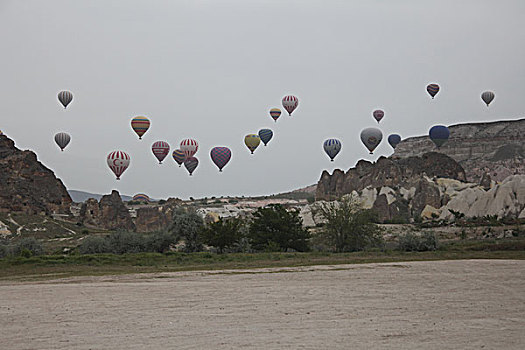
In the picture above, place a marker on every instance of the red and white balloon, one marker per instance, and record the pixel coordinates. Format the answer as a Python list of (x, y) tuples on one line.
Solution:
[(118, 162), (189, 147)]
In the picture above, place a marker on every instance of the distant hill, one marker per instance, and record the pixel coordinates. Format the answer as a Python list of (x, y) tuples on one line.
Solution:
[(81, 196)]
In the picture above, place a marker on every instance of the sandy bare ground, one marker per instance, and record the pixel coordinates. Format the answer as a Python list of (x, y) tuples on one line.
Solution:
[(418, 305)]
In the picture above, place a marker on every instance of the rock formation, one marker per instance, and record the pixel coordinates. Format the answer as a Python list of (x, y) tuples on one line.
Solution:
[(391, 172), (26, 185), (156, 218), (495, 148), (110, 213)]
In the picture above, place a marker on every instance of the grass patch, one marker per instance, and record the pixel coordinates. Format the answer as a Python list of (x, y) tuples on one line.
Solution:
[(53, 266)]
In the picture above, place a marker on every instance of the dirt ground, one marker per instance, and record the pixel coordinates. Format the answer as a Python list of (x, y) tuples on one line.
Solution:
[(470, 304)]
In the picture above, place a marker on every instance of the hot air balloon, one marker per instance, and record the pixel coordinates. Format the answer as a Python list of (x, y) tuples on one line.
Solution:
[(191, 164), (160, 150), (140, 125), (118, 162), (332, 148), (290, 103), (62, 140), (179, 156), (252, 141), (1, 133), (439, 134), (275, 113), (378, 115), (65, 97), (189, 147), (220, 156), (265, 135), (487, 97), (432, 89), (394, 140), (371, 138), (141, 197)]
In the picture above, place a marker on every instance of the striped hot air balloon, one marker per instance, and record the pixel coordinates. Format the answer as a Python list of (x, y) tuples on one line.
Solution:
[(191, 164), (487, 97), (62, 140), (439, 134), (275, 113), (141, 197), (179, 156), (140, 125), (118, 162), (220, 156), (65, 97), (160, 150), (371, 138), (378, 115), (432, 89), (332, 148), (290, 103), (189, 147), (265, 135), (394, 140), (252, 141)]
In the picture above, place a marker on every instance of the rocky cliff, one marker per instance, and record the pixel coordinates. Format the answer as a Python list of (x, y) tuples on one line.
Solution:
[(26, 185), (392, 172), (110, 213), (495, 148)]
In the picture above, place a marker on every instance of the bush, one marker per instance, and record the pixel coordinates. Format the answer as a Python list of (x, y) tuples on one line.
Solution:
[(4, 250), (187, 224), (27, 247), (127, 242), (223, 234), (348, 227), (411, 242), (276, 228)]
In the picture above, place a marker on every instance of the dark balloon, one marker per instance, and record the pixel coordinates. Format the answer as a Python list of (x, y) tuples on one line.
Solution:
[(487, 97), (191, 164), (62, 140), (371, 138), (394, 140), (378, 115), (220, 156), (332, 148), (432, 89), (65, 97), (265, 135), (439, 134)]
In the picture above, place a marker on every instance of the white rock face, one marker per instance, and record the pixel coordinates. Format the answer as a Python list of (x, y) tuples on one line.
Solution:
[(504, 199), (4, 230)]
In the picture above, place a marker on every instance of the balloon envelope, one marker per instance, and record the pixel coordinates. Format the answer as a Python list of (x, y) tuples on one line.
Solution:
[(62, 140), (191, 164), (432, 89), (118, 162), (439, 134), (252, 141), (487, 97), (394, 140), (290, 103), (275, 113), (140, 125), (332, 148), (220, 156), (141, 197), (179, 156), (189, 147), (265, 135), (378, 115), (371, 138), (160, 150), (65, 97)]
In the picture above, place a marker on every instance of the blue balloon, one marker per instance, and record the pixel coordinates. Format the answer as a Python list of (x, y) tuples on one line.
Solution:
[(265, 135), (332, 148), (439, 134), (394, 140)]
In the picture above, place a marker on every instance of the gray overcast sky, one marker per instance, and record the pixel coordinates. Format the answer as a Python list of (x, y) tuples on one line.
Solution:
[(211, 70)]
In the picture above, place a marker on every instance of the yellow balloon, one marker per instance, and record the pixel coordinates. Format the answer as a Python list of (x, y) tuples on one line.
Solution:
[(252, 141)]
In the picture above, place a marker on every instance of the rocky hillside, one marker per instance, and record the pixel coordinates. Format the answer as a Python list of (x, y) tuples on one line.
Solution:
[(392, 172), (26, 185), (495, 148)]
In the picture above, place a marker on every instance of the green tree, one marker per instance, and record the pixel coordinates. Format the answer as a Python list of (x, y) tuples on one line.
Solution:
[(187, 225), (275, 228), (223, 234), (348, 227)]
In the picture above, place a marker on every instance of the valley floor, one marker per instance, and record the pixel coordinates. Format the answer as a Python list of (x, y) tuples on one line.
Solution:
[(460, 304)]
